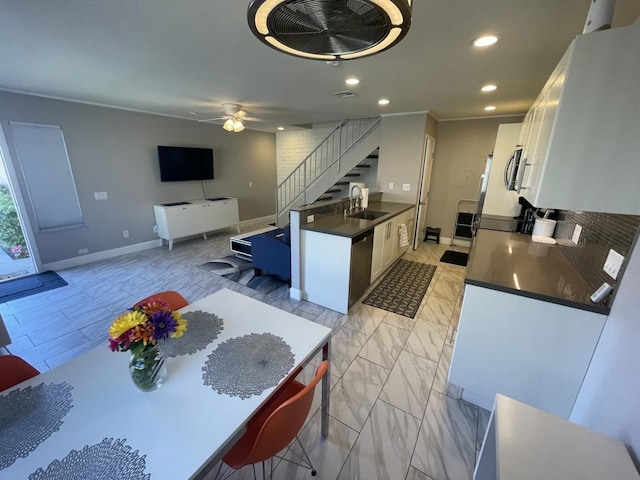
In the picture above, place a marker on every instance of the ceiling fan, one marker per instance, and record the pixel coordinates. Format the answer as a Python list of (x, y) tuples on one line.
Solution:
[(234, 117)]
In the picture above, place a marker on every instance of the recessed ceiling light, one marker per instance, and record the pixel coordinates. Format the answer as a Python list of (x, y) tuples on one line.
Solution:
[(383, 101), (489, 108), (194, 113), (485, 40), (280, 128), (352, 81), (489, 88)]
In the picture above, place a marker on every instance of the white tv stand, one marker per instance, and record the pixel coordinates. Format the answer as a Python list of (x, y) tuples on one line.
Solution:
[(195, 217)]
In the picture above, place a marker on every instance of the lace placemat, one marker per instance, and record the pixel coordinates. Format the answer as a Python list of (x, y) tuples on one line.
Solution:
[(248, 365), (105, 460), (202, 329), (28, 416)]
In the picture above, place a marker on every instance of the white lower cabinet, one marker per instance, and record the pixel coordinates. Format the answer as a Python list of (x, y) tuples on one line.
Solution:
[(386, 242), (194, 218), (530, 350)]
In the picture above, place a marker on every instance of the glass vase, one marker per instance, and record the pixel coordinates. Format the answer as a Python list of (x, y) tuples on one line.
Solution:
[(148, 368)]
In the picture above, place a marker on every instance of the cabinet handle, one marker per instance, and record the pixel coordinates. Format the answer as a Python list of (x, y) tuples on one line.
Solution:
[(520, 178)]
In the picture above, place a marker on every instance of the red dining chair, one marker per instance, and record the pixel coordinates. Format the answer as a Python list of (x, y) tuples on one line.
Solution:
[(174, 299), (14, 370), (274, 428)]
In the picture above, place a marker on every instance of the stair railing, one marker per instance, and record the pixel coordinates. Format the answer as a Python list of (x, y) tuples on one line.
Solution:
[(326, 155)]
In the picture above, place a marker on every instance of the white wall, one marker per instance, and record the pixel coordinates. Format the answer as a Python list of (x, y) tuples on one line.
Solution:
[(402, 140), (609, 400)]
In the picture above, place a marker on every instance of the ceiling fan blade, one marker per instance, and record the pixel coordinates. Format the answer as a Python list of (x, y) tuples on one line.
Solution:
[(212, 119)]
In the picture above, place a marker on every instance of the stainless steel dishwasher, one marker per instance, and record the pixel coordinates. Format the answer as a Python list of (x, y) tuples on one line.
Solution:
[(360, 274)]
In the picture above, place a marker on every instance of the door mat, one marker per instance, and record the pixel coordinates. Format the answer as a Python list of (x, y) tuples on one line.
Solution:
[(30, 285), (402, 289), (240, 271), (456, 258)]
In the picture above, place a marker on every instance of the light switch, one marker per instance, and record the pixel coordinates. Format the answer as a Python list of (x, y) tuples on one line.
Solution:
[(390, 185), (613, 263), (576, 234), (100, 195), (406, 187)]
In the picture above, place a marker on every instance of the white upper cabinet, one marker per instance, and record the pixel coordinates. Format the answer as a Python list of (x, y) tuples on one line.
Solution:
[(582, 134)]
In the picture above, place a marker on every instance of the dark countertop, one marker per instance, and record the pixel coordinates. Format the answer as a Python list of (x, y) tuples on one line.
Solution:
[(352, 227), (513, 263)]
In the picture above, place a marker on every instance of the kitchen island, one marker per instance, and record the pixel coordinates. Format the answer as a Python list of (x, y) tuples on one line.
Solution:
[(527, 328), (335, 263)]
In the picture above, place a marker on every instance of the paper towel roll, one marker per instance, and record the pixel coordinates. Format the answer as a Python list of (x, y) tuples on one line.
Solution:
[(365, 198), (544, 227)]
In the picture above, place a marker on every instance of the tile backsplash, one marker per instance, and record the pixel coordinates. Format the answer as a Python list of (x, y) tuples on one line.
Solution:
[(600, 232)]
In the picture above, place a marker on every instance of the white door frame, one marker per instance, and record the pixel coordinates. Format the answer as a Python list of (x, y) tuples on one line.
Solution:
[(423, 190), (18, 198)]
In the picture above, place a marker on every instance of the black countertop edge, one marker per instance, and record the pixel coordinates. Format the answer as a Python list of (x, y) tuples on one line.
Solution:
[(603, 310), (342, 226)]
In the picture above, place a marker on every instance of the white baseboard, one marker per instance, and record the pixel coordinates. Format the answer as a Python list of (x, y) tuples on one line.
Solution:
[(459, 243), (138, 247), (295, 293), (96, 257)]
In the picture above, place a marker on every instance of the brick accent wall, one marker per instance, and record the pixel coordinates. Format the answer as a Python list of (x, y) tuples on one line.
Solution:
[(292, 147)]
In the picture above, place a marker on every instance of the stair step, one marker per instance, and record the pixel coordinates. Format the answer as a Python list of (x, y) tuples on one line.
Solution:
[(341, 183), (324, 197), (333, 190), (372, 156), (362, 166), (352, 175)]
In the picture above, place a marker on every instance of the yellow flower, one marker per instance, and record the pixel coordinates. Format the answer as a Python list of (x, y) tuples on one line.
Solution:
[(182, 325), (125, 322)]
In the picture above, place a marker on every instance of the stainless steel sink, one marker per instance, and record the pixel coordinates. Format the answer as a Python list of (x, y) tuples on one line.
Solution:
[(368, 215)]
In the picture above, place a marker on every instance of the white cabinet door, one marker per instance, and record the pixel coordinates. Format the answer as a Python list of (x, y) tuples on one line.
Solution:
[(378, 246), (388, 250), (590, 127), (533, 351)]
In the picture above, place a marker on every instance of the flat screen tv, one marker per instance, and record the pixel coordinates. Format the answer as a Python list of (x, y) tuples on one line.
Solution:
[(178, 164)]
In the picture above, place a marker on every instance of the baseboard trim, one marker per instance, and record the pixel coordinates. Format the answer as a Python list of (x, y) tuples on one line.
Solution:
[(459, 243), (295, 293), (104, 255), (138, 247)]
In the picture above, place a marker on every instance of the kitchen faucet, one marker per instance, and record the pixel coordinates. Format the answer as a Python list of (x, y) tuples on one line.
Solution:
[(354, 205)]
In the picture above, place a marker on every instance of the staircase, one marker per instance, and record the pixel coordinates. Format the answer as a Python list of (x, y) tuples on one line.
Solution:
[(329, 166)]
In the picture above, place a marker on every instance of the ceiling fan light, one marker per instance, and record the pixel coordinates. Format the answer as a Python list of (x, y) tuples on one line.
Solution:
[(352, 29), (238, 126), (228, 125)]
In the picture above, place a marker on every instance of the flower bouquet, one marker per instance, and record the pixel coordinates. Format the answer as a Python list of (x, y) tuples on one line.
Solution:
[(138, 330)]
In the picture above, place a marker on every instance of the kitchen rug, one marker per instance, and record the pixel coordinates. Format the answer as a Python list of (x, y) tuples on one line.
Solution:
[(402, 289), (456, 258), (29, 285)]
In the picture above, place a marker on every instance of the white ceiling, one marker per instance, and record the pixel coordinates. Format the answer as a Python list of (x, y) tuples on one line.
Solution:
[(174, 57)]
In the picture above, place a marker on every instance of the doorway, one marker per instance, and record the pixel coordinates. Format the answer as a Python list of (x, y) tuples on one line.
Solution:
[(423, 191), (16, 254)]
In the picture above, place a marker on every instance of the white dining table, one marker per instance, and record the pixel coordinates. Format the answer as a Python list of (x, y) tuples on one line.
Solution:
[(185, 427)]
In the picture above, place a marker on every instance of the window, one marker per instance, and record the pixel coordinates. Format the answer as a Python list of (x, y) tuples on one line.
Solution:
[(43, 159)]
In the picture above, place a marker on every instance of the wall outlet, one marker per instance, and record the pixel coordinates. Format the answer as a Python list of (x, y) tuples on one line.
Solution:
[(577, 231), (613, 263), (310, 218), (125, 233), (155, 229), (390, 185), (83, 251), (406, 187), (250, 184), (100, 195)]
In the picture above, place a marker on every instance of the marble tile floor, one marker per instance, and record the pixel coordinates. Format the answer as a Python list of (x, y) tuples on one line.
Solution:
[(393, 415)]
